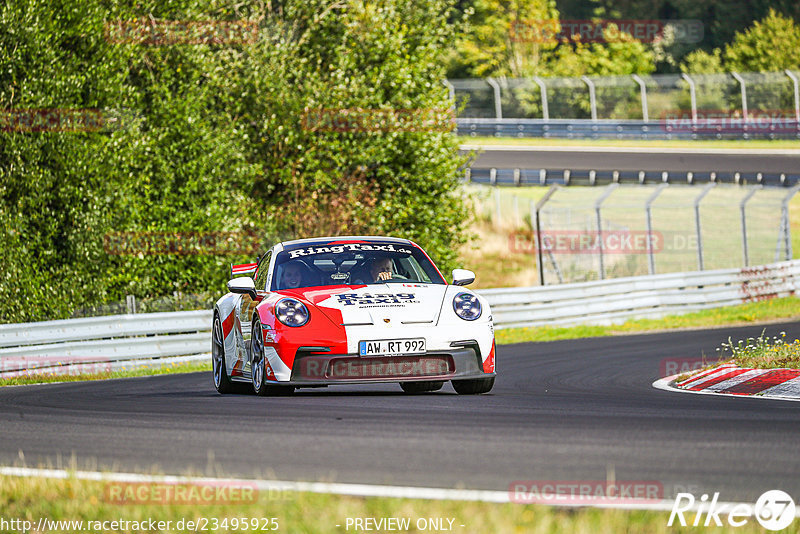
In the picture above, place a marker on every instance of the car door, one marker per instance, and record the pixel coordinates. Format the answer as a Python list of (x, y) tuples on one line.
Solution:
[(247, 307)]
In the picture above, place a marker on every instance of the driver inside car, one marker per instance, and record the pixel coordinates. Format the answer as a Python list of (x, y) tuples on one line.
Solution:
[(292, 277), (380, 269)]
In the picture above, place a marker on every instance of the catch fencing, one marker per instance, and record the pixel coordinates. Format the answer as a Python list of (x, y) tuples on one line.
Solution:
[(663, 106), (157, 339), (579, 234)]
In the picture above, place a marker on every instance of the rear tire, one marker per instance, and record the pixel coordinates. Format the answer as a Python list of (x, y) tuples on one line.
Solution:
[(473, 387), (219, 371), (261, 386), (421, 387)]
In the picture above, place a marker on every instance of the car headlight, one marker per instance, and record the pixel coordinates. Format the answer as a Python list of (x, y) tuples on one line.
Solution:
[(467, 306), (291, 312)]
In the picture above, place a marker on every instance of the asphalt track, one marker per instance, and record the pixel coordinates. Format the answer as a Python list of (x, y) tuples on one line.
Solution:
[(567, 410), (639, 159)]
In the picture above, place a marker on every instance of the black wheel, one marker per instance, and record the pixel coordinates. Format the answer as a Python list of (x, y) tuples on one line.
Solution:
[(473, 387), (221, 380), (421, 387), (262, 386)]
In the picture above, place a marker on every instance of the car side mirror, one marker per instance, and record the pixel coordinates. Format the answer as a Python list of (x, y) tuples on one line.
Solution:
[(463, 277), (244, 285)]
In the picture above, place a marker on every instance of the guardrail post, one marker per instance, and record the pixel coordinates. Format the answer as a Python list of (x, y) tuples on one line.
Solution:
[(643, 90), (692, 95), (742, 209), (743, 87), (697, 201), (498, 106), (792, 77), (609, 189), (451, 92), (647, 207), (592, 96), (538, 229), (787, 230), (543, 92), (130, 303)]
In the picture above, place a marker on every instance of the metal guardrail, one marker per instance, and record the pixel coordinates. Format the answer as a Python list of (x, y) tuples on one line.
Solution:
[(134, 339), (547, 177), (620, 299), (622, 129)]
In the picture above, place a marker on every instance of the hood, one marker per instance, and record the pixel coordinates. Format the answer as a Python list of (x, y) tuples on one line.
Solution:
[(408, 303)]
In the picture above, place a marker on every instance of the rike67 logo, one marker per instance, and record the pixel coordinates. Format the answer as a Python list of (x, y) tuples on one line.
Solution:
[(774, 510)]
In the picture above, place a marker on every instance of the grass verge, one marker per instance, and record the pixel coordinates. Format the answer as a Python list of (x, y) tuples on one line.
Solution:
[(91, 501), (763, 352), (753, 312), (673, 143), (189, 367)]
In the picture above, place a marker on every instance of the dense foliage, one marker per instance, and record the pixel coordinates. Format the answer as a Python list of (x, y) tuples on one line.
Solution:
[(214, 159)]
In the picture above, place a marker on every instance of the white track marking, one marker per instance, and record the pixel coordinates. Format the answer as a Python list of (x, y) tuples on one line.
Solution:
[(355, 490)]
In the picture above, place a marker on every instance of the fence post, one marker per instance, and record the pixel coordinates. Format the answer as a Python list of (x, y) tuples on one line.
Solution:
[(697, 200), (647, 207), (537, 229), (451, 92), (543, 92), (743, 87), (742, 209), (643, 90), (787, 230), (592, 96), (598, 203), (130, 303), (792, 77), (498, 106), (692, 95)]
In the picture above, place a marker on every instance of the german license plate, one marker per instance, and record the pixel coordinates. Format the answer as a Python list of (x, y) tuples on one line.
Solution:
[(386, 347)]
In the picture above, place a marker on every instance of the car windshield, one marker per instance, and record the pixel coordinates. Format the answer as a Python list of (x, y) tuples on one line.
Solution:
[(335, 263)]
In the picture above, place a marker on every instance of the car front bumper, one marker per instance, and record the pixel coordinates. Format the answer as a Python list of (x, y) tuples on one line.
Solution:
[(315, 369)]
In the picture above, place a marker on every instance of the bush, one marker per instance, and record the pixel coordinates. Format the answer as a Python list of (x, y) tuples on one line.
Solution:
[(220, 145)]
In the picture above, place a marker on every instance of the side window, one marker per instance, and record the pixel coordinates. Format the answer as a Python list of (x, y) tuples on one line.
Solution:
[(263, 271)]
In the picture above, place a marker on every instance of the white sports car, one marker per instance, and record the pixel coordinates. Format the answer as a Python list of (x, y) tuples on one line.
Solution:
[(343, 310)]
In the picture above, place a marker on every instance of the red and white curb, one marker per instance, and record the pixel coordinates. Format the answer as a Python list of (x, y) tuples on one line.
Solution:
[(729, 379)]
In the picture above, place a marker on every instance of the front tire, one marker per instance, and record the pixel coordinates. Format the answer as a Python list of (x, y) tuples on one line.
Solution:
[(261, 386), (222, 382), (421, 387), (473, 387)]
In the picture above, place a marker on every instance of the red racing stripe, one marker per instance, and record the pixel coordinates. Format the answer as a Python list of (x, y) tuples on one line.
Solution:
[(705, 373), (762, 382), (227, 324), (717, 379), (488, 365)]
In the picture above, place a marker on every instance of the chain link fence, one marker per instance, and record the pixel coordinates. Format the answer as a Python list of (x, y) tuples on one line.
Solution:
[(576, 234)]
